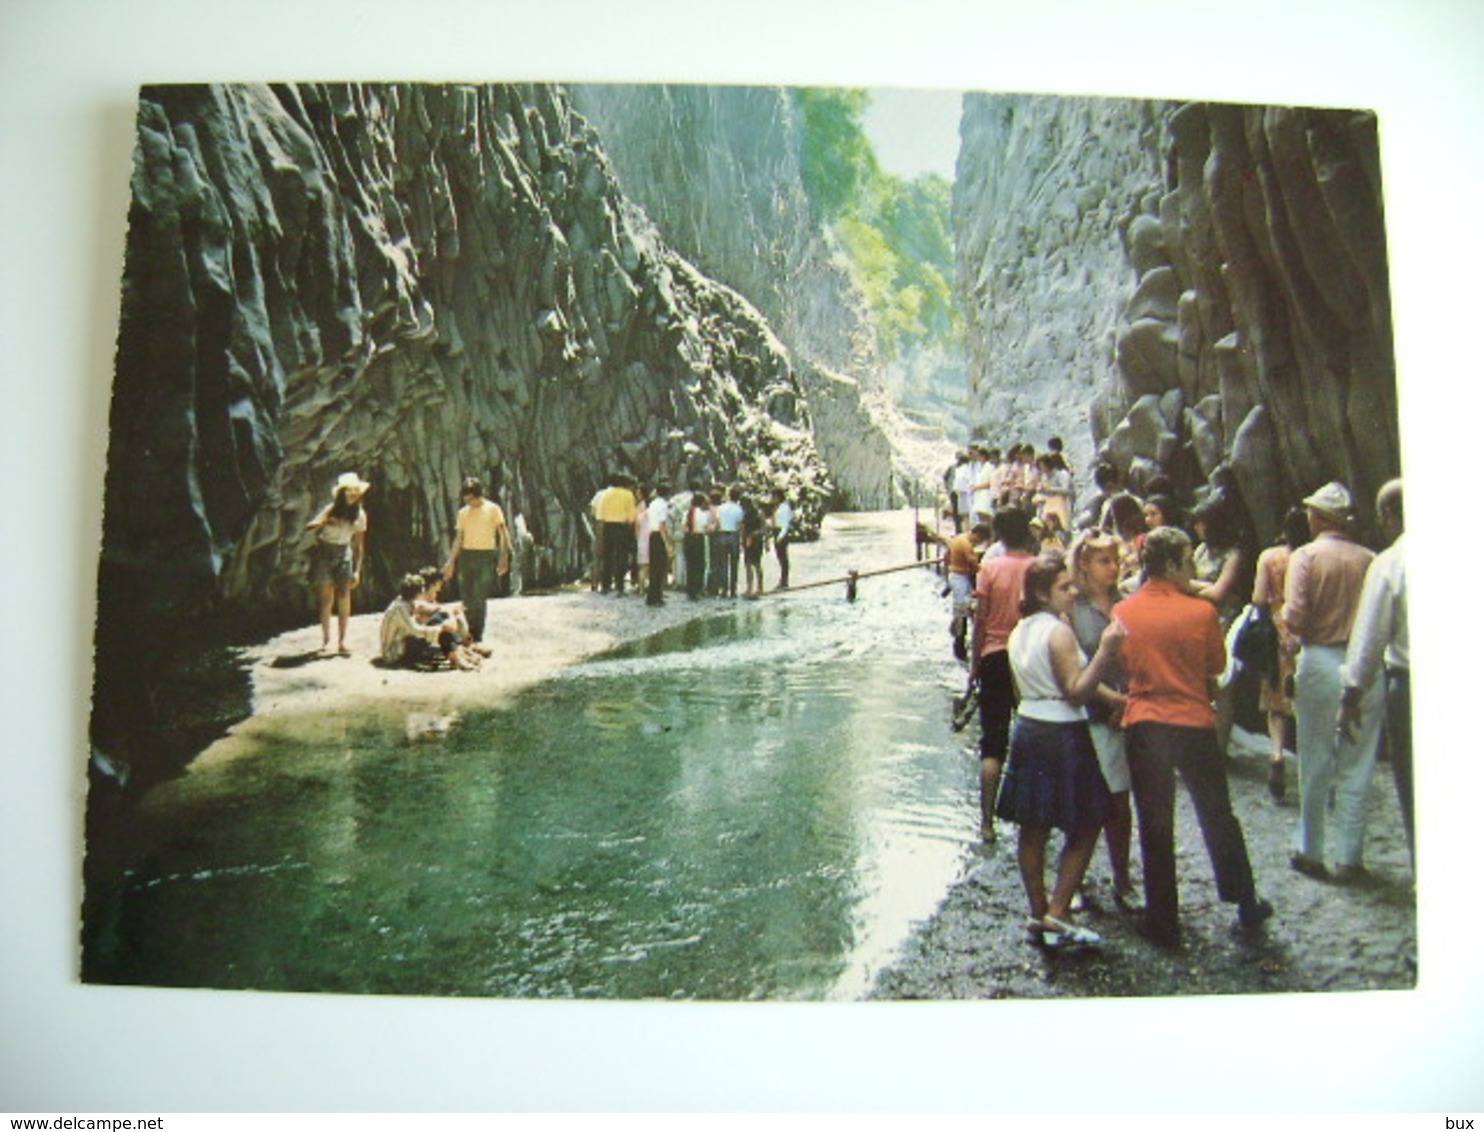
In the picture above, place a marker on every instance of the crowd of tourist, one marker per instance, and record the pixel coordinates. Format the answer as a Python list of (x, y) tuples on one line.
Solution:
[(706, 542), (1102, 642), (1107, 664)]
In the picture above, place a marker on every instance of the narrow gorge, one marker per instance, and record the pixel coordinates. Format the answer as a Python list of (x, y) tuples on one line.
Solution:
[(542, 284), (1177, 287)]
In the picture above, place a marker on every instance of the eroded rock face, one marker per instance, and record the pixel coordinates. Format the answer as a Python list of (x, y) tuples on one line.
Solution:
[(1234, 255), (1044, 185), (718, 170), (416, 283)]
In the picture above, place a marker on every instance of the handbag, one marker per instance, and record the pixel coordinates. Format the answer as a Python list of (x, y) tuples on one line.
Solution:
[(1253, 641)]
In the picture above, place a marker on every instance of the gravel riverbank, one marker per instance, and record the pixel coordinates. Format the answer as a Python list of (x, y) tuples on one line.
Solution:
[(1323, 937)]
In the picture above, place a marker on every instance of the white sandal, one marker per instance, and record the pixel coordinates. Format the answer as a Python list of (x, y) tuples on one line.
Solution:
[(1065, 933)]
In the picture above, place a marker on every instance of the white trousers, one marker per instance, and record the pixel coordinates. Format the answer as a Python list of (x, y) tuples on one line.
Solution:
[(1327, 762)]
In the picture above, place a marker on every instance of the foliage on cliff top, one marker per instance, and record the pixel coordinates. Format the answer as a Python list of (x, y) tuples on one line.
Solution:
[(895, 233)]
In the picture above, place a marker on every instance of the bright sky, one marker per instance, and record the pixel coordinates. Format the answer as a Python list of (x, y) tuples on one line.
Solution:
[(914, 131)]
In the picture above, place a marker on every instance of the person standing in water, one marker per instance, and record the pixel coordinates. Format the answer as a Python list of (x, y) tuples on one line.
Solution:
[(338, 551)]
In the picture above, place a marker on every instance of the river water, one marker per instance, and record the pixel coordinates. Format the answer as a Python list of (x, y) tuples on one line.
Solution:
[(756, 805)]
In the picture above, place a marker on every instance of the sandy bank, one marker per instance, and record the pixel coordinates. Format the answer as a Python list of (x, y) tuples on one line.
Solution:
[(533, 637)]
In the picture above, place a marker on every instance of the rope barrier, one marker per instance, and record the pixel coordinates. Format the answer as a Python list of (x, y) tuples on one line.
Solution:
[(856, 575)]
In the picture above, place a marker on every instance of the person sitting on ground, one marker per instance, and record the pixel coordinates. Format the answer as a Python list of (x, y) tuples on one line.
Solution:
[(407, 642), (1053, 779), (452, 614)]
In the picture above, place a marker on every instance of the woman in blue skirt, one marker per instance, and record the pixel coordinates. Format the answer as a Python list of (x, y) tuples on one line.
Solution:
[(1053, 779)]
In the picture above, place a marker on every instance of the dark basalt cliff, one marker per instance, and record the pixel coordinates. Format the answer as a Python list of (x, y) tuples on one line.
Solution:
[(718, 169), (1214, 275), (416, 283)]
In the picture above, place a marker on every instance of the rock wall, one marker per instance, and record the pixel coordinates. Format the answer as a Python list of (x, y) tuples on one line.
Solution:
[(1213, 275), (1042, 186), (416, 283), (718, 170)]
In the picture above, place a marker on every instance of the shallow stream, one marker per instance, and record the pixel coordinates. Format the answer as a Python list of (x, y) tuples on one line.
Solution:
[(757, 805)]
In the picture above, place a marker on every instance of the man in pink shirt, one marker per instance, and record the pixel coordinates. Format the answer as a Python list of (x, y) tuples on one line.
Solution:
[(1321, 596), (997, 593)]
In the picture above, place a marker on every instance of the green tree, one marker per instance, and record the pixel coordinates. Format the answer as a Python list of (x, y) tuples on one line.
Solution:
[(837, 159), (896, 233)]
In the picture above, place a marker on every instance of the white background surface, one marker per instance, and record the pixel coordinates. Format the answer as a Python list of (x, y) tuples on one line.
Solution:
[(69, 71)]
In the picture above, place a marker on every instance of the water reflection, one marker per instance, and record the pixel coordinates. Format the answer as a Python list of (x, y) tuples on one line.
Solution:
[(751, 806)]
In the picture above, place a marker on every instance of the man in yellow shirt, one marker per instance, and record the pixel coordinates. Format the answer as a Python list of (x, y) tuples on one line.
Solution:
[(615, 510), (480, 538)]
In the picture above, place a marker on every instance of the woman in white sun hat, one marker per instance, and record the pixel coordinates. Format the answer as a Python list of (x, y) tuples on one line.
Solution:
[(339, 548)]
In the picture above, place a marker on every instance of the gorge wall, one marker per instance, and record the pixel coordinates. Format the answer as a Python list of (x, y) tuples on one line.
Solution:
[(718, 169), (416, 283), (1210, 278)]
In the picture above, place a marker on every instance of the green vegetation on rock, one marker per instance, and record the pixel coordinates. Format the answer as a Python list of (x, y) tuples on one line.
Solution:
[(895, 233)]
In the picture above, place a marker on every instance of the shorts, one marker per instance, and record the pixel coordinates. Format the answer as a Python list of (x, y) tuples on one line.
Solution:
[(962, 588), (330, 563)]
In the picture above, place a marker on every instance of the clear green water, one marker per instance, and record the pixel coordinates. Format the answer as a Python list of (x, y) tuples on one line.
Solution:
[(754, 806)]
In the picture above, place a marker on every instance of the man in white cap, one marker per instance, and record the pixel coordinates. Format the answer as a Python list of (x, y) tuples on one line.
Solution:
[(1321, 596)]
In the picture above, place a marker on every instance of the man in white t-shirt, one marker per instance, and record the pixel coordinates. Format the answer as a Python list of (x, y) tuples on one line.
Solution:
[(659, 545), (729, 541), (783, 521)]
